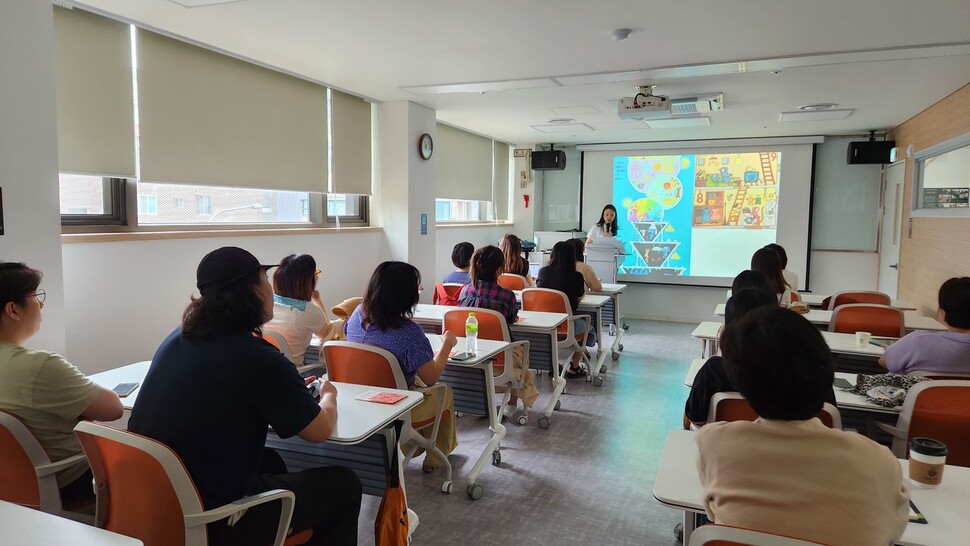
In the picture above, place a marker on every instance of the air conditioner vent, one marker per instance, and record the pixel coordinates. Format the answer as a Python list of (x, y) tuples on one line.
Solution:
[(697, 105)]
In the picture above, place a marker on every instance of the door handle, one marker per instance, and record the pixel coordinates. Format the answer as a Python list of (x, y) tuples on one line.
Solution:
[(894, 266)]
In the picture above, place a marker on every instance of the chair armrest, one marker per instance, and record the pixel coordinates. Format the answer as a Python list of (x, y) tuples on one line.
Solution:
[(508, 374), (237, 509), (896, 432), (50, 468)]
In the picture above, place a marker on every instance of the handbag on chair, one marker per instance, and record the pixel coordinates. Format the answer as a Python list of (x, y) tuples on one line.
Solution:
[(391, 525)]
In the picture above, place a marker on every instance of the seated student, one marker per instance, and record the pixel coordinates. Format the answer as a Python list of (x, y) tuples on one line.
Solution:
[(45, 392), (790, 276), (485, 292), (214, 387), (768, 262), (942, 352), (298, 311), (461, 255), (514, 262), (383, 319), (711, 378), (750, 279), (589, 276), (786, 472), (561, 275)]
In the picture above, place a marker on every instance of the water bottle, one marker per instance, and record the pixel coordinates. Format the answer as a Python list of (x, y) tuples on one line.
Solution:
[(471, 334)]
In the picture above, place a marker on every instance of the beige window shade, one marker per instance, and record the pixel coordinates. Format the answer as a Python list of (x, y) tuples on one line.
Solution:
[(501, 170), (205, 118), (463, 164), (95, 119), (351, 146)]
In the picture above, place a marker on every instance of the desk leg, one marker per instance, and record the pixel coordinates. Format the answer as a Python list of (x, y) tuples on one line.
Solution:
[(600, 365), (616, 326), (476, 490), (558, 377)]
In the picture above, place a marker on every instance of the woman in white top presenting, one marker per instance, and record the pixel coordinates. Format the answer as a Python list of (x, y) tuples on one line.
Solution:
[(606, 227)]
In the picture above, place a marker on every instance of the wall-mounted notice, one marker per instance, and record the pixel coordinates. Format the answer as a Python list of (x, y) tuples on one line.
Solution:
[(945, 198), (424, 224)]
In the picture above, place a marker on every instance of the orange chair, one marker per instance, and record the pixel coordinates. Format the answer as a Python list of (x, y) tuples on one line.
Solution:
[(723, 535), (938, 410), (446, 293), (362, 364), (27, 475), (145, 492), (879, 320), (512, 282), (856, 296), (795, 297), (731, 406), (554, 301)]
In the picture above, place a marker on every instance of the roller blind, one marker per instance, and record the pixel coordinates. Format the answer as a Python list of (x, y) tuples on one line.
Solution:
[(351, 146), (206, 118), (501, 171), (463, 164), (95, 119)]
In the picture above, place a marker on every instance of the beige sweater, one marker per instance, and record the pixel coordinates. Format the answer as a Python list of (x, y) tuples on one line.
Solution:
[(589, 277), (802, 479)]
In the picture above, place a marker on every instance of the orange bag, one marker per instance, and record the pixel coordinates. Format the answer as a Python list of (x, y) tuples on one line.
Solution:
[(391, 525)]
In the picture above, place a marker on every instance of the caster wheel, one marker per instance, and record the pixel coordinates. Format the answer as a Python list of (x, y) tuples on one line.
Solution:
[(620, 346), (496, 458), (446, 487), (626, 326), (603, 368), (475, 491), (615, 355), (459, 414), (523, 419), (597, 381), (558, 404), (543, 422)]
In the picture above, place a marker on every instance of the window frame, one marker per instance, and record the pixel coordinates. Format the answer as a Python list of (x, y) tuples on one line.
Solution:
[(115, 192), (921, 157)]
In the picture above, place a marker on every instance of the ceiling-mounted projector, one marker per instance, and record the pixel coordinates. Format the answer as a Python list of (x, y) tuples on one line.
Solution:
[(643, 107)]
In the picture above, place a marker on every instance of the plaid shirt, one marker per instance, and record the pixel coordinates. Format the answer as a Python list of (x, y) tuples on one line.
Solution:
[(490, 296)]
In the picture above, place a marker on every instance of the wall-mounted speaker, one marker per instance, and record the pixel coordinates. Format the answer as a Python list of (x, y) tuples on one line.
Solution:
[(870, 152), (553, 160)]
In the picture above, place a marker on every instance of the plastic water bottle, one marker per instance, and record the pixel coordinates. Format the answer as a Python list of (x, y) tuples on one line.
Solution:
[(471, 334)]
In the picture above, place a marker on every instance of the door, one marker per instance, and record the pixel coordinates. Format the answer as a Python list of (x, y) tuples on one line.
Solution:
[(891, 227)]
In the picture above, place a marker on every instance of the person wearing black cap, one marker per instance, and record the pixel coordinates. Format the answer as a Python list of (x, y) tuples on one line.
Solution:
[(213, 388)]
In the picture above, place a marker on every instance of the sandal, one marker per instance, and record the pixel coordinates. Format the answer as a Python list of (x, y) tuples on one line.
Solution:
[(575, 373)]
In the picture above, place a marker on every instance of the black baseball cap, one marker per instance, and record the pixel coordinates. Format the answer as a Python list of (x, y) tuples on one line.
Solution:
[(224, 266)]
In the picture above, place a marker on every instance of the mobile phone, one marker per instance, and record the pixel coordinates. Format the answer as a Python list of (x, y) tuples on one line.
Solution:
[(124, 389), (843, 384), (461, 357)]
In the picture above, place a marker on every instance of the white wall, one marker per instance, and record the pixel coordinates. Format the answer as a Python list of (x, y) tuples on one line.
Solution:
[(28, 155), (837, 271), (448, 237)]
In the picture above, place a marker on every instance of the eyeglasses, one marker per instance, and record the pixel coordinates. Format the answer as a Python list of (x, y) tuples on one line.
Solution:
[(317, 273), (40, 295)]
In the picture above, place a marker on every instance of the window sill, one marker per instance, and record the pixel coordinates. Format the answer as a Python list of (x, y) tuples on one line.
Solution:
[(472, 224), (68, 238)]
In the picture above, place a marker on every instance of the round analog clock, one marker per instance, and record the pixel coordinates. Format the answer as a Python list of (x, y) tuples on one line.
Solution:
[(425, 146)]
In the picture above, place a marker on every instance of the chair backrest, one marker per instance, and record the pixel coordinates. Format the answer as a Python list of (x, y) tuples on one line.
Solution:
[(939, 410), (940, 375), (491, 325), (723, 535), (731, 406), (857, 296), (20, 455), (363, 364), (144, 490), (879, 320), (512, 281), (549, 301), (446, 293), (277, 340), (794, 296)]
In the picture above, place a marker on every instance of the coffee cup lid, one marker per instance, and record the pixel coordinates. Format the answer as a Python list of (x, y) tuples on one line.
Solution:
[(928, 447)]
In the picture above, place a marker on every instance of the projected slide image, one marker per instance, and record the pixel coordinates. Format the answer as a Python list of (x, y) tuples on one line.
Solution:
[(733, 193)]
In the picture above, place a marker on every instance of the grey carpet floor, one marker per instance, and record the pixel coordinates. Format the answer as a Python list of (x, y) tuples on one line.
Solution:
[(588, 479)]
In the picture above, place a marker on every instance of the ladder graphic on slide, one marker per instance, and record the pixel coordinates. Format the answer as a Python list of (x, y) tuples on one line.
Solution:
[(768, 176), (735, 214)]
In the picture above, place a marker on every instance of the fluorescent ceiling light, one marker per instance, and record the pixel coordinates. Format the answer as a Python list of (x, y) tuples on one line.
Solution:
[(479, 87), (677, 123), (817, 115), (564, 128)]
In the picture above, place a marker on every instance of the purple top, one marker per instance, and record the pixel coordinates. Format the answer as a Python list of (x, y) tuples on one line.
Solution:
[(457, 277), (408, 343), (930, 351)]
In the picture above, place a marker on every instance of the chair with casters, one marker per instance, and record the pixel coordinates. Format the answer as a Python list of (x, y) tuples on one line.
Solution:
[(554, 301), (512, 282), (446, 293), (145, 492), (363, 364), (879, 320), (277, 340), (27, 475), (939, 410), (856, 296), (731, 406), (724, 535)]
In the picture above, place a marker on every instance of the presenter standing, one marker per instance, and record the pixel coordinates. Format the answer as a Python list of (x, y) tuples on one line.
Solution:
[(605, 227)]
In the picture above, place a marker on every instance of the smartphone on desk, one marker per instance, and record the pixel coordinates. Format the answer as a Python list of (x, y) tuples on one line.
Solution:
[(461, 357), (841, 383), (124, 389)]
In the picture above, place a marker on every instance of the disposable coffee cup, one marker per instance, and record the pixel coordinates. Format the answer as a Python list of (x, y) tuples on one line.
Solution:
[(927, 458), (862, 339)]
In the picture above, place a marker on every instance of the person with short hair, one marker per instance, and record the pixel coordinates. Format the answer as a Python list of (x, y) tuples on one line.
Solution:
[(589, 276), (943, 352), (298, 310), (515, 264), (213, 389), (41, 389), (383, 319), (561, 275), (461, 256), (786, 472), (768, 261), (790, 276)]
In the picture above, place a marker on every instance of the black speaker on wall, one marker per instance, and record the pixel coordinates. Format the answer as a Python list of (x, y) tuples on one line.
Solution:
[(553, 160), (870, 152)]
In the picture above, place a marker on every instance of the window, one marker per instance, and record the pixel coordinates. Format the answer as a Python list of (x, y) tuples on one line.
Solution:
[(147, 205), (220, 205), (203, 204), (178, 203), (345, 208), (459, 210), (943, 179), (91, 200)]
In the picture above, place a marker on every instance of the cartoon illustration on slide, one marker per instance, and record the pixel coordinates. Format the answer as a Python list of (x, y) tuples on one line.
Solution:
[(741, 191)]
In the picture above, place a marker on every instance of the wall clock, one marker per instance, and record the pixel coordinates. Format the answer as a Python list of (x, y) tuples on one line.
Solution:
[(425, 146)]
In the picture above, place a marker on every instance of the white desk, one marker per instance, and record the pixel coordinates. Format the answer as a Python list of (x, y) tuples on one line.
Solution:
[(815, 300), (820, 317), (21, 525), (612, 315), (707, 332), (592, 304), (678, 485)]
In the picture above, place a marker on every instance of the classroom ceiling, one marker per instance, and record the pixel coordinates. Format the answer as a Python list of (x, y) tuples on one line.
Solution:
[(377, 48)]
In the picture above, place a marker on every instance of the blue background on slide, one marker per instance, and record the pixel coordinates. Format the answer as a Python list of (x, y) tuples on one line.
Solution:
[(679, 216)]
